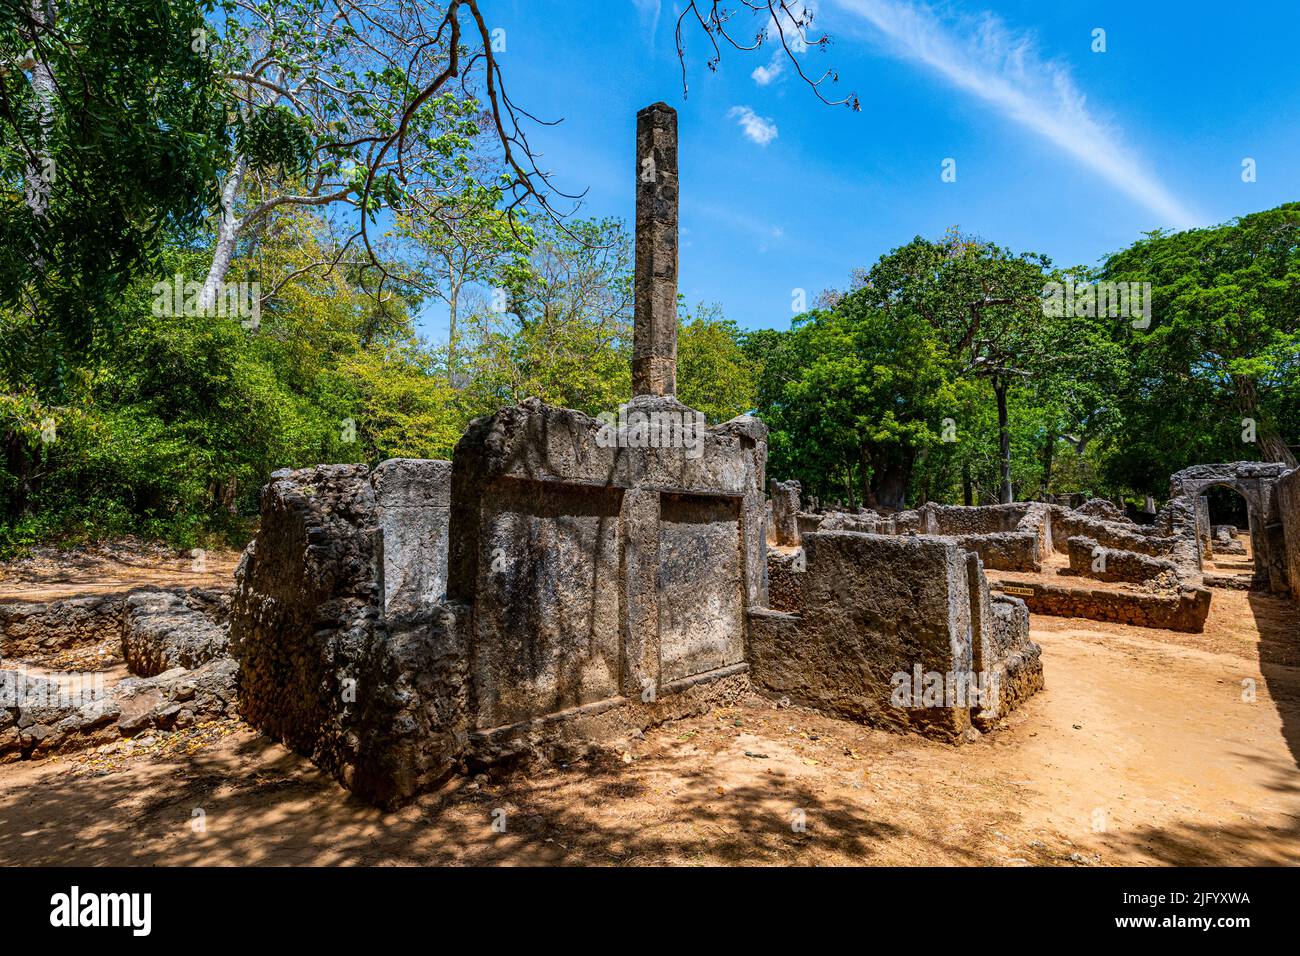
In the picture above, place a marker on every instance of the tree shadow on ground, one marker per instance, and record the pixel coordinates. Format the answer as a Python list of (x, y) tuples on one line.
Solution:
[(273, 808), (1240, 844), (1278, 621)]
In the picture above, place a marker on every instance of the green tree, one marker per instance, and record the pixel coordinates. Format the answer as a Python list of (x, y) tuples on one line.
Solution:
[(714, 373), (1223, 347), (984, 302)]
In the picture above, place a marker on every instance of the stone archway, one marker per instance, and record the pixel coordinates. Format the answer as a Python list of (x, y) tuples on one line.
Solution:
[(1255, 482)]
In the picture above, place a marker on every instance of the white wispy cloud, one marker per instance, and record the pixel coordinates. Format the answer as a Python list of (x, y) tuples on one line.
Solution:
[(764, 75), (758, 129), (649, 10), (982, 56)]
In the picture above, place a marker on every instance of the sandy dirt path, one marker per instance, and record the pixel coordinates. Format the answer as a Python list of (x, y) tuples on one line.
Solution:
[(1142, 750)]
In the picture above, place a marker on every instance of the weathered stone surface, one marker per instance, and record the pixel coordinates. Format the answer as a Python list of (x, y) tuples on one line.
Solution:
[(1257, 483), (178, 697), (785, 513), (873, 607), (654, 345), (1017, 661), (1224, 538), (166, 629), (784, 574), (1089, 559), (375, 699), (1004, 550), (35, 629), (1103, 510), (599, 568), (1184, 610), (413, 497), (306, 609), (1153, 540), (42, 715), (1288, 507)]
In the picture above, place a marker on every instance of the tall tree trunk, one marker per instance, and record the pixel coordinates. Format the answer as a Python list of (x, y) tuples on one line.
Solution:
[(865, 472), (1004, 440), (1049, 457), (228, 226), (40, 170), (453, 300), (967, 486), (1272, 446), (890, 478), (19, 462)]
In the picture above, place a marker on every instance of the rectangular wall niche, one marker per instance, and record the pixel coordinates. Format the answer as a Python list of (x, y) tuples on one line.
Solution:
[(546, 633), (701, 585)]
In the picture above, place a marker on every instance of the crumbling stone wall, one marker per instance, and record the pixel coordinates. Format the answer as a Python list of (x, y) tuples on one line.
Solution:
[(1104, 510), (785, 513), (372, 694), (1016, 661), (599, 568), (1004, 551), (166, 629), (1089, 559), (1288, 506), (1184, 610), (41, 716), (1012, 537), (872, 608), (33, 629), (784, 574), (1172, 537), (1256, 482)]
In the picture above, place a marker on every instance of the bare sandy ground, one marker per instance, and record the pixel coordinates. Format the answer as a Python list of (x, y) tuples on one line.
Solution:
[(53, 575), (1146, 748)]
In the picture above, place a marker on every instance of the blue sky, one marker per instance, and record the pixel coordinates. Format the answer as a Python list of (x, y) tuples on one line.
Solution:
[(1058, 149)]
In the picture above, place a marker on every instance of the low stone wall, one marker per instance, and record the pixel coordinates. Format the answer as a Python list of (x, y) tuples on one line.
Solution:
[(34, 629), (1184, 611), (1224, 540), (1090, 560), (1016, 659), (1109, 534), (162, 630), (960, 520), (809, 522), (41, 715), (1004, 551), (884, 620), (1288, 506)]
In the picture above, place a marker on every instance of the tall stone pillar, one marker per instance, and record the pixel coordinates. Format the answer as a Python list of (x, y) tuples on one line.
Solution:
[(654, 343)]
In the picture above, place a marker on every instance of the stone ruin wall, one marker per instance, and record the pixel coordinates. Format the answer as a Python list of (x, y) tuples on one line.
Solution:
[(1257, 483), (783, 508), (1090, 560), (1164, 557), (867, 608), (590, 591), (593, 585), (175, 646), (1183, 610), (341, 659), (1288, 504), (600, 572)]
